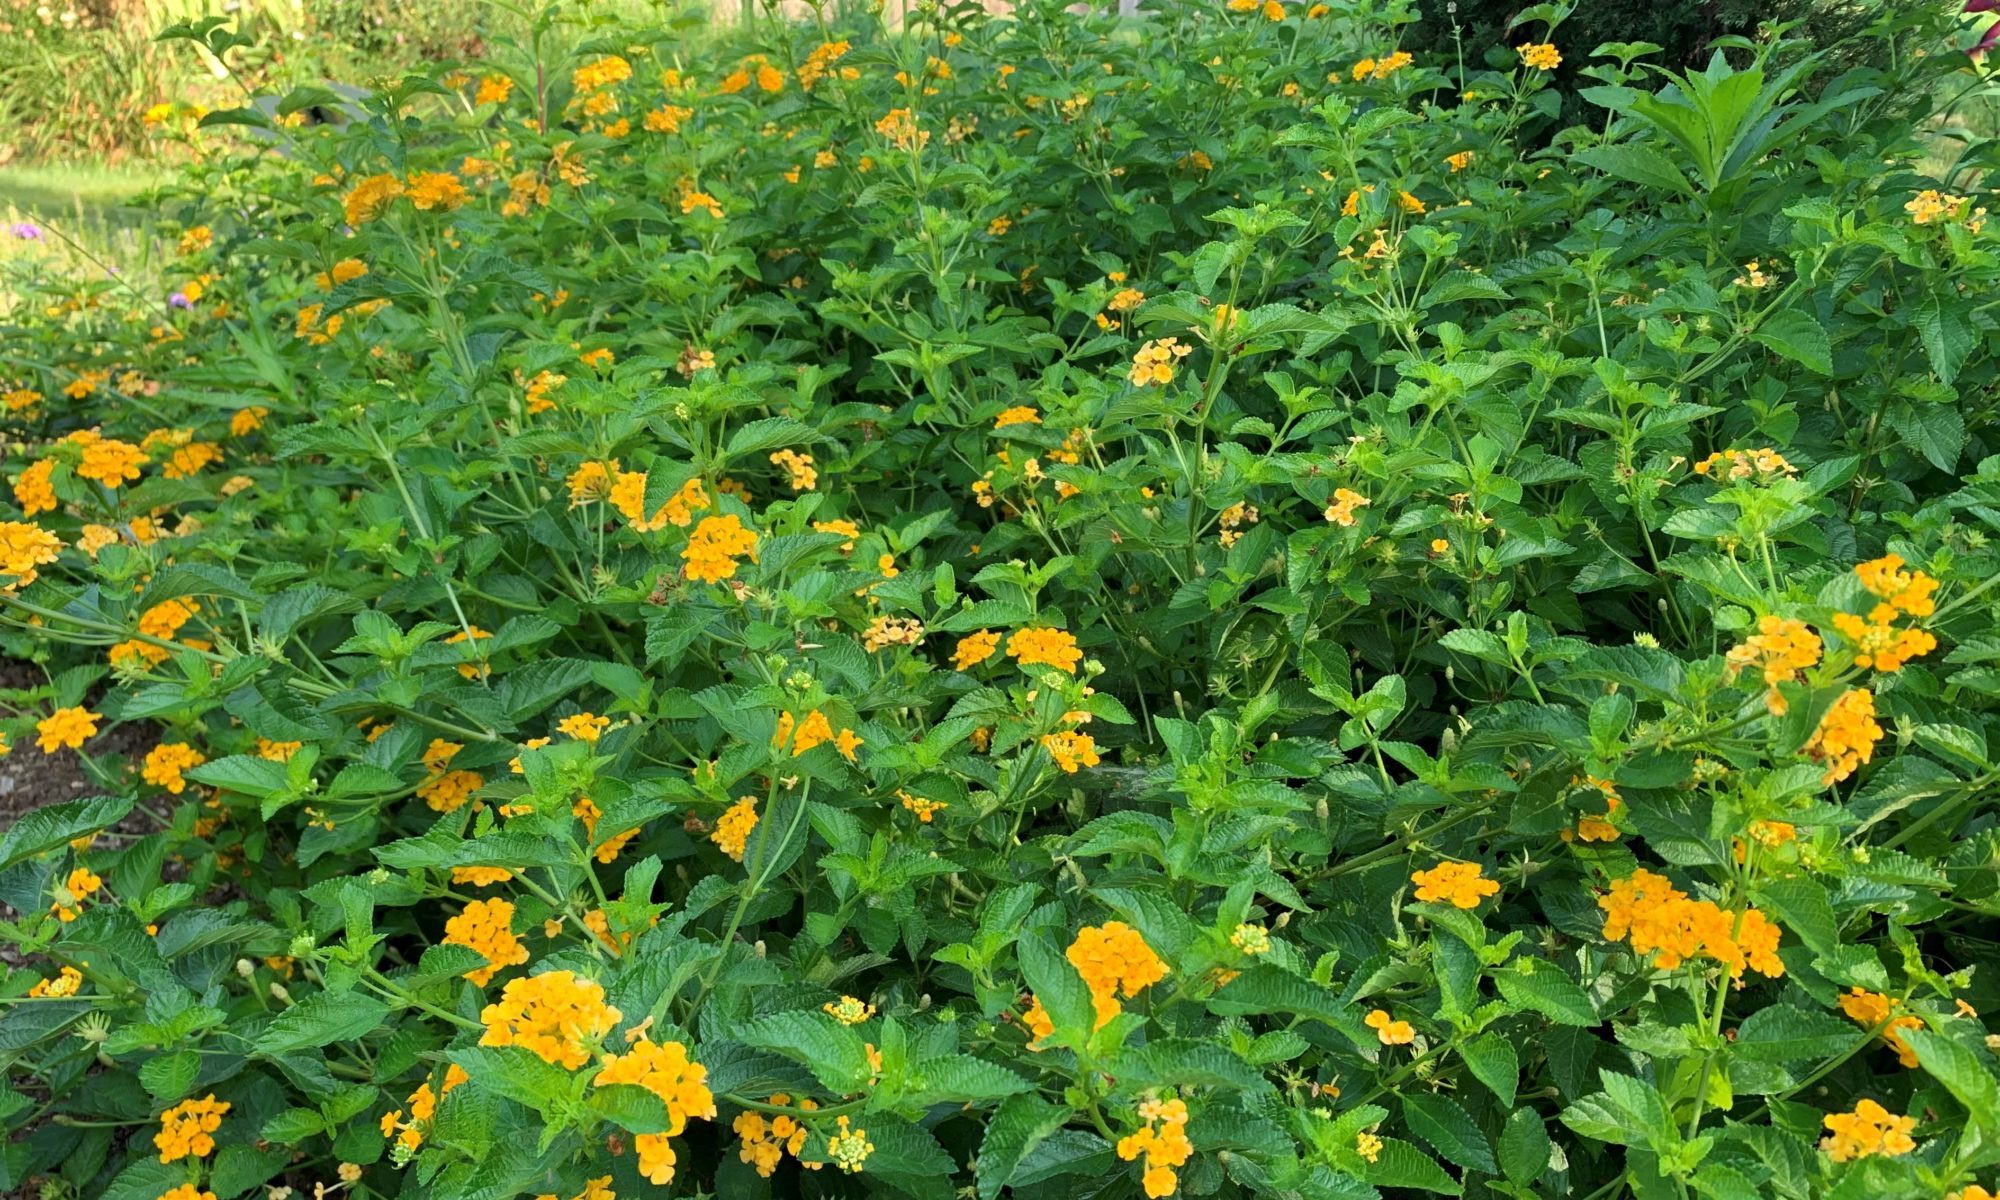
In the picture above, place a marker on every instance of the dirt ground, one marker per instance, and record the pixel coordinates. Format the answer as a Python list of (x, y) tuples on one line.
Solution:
[(30, 779)]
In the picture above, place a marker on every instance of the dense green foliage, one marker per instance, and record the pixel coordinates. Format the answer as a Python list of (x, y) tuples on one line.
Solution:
[(1226, 612)]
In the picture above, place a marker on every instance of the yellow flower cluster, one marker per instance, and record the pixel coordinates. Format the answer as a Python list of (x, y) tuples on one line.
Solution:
[(187, 1129), (1931, 205), (78, 886), (1867, 1131), (481, 876), (187, 1191), (815, 730), (1909, 592), (767, 1139), (66, 983), (666, 1071), (445, 790), (1539, 56), (926, 809), (1871, 1011), (1779, 650), (849, 1010), (601, 74), (1044, 646), (1379, 69), (899, 126), (166, 761), (1878, 643), (799, 466), (69, 727), (628, 496), (24, 546), (585, 727), (1459, 884), (1345, 501), (1153, 365), (1761, 466), (110, 462), (32, 489), (1251, 939), (1846, 735), (849, 1148), (732, 832), (556, 1015), (1655, 915), (717, 543), (1025, 414), (1388, 1031), (1164, 1143), (884, 632), (409, 1130), (488, 927), (814, 68), (974, 648), (1114, 960), (1071, 750)]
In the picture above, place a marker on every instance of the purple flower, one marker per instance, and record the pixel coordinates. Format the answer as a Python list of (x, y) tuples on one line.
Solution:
[(28, 231), (179, 300)]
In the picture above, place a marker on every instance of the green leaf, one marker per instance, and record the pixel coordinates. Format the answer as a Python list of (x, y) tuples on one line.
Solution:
[(1524, 1146), (1544, 988), (1450, 1130), (1638, 164), (1020, 1124), (1796, 334), (1962, 1072), (45, 829), (169, 1076), (1495, 1063), (1061, 990), (833, 1052), (292, 1126), (1782, 1033), (322, 1019), (1400, 1164)]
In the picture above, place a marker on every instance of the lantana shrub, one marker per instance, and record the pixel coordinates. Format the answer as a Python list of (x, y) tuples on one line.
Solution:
[(1189, 604)]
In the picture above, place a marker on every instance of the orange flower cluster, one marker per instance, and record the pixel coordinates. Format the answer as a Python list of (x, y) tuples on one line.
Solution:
[(1779, 650), (815, 730), (1389, 1031), (1655, 915), (1867, 1131), (488, 927), (81, 883), (1043, 646), (409, 1131), (1071, 750), (974, 648), (628, 496), (732, 832), (1459, 884), (166, 761), (717, 543), (926, 809), (1164, 1143), (187, 1129), (666, 1071), (1846, 735), (1871, 1011), (556, 1015), (1114, 959), (25, 546), (445, 790), (1877, 641)]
